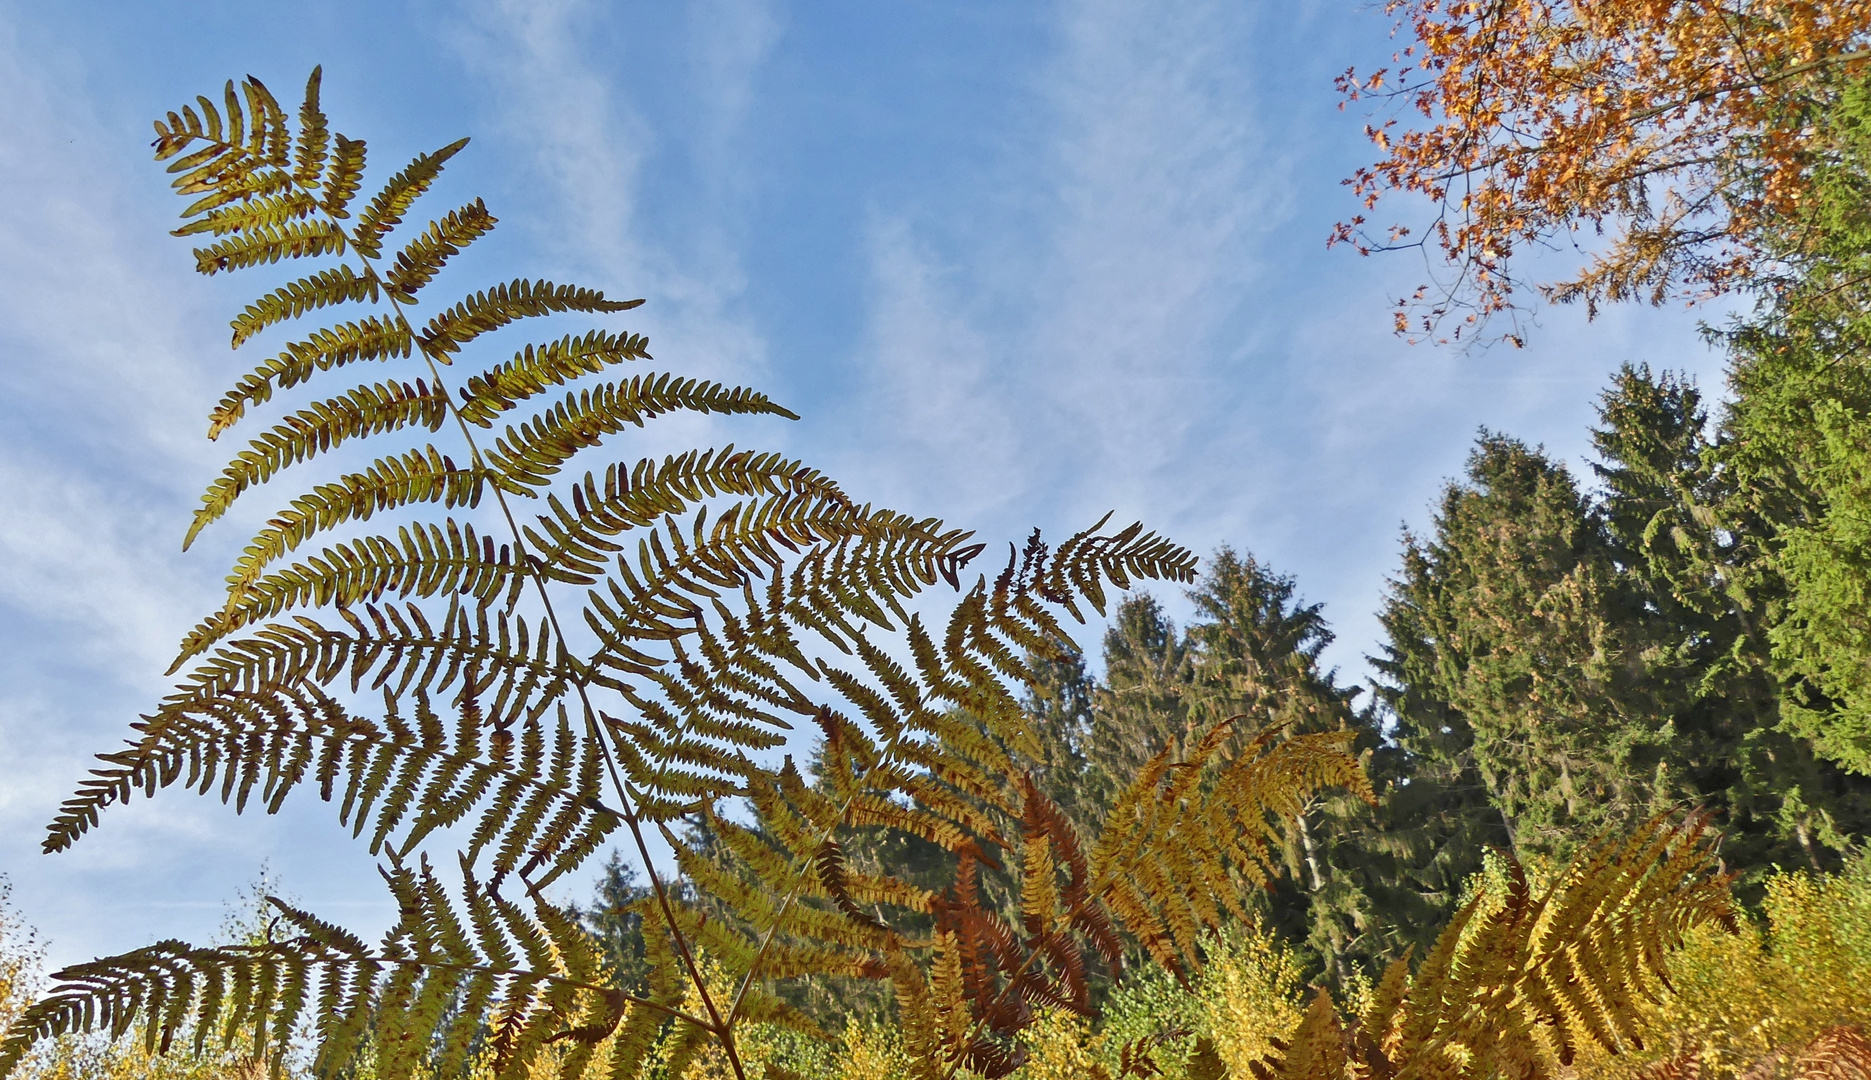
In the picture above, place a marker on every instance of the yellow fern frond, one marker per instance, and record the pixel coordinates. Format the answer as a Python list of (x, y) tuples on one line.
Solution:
[(252, 215), (1172, 839), (421, 561)]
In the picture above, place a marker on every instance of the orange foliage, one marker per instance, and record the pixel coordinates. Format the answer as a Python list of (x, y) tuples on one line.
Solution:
[(1673, 127)]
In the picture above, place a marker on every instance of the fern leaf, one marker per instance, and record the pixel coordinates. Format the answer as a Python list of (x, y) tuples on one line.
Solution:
[(367, 410), (421, 561), (534, 369), (372, 339), (268, 133), (510, 666), (402, 783), (1083, 563), (418, 476), (494, 308), (344, 177), (313, 148), (338, 285), (418, 263), (252, 215), (1206, 1063), (386, 209), (534, 451), (269, 244)]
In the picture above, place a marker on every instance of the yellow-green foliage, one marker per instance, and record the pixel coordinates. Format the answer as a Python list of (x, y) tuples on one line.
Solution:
[(1759, 995), (1251, 995), (1248, 994)]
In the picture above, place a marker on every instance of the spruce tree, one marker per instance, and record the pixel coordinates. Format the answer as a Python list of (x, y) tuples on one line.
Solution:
[(1689, 534), (1797, 440), (1520, 649)]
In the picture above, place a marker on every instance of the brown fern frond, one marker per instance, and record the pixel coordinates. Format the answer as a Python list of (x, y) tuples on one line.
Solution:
[(1840, 1052)]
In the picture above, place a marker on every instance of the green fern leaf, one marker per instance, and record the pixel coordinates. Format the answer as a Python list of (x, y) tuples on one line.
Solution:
[(423, 561), (385, 211), (242, 183), (517, 672), (494, 308), (418, 263)]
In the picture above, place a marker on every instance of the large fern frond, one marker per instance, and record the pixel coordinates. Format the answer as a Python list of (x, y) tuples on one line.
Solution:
[(427, 986), (730, 598), (1514, 990)]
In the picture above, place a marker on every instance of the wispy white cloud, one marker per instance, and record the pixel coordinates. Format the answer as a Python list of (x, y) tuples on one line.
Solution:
[(1053, 368), (102, 394), (954, 442), (562, 106)]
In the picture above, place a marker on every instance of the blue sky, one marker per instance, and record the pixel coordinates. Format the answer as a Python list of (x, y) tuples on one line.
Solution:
[(1013, 264)]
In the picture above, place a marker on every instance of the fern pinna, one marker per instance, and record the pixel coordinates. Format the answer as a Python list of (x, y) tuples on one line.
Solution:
[(569, 658)]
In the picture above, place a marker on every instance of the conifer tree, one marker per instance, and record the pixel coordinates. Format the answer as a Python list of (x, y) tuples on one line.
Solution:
[(1514, 618), (1797, 440), (1688, 533)]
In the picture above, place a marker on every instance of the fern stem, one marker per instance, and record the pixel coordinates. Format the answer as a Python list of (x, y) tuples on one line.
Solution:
[(798, 881), (721, 1029)]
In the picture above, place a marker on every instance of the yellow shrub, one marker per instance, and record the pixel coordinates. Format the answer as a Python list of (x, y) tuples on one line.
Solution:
[(1250, 994), (1737, 999), (1060, 1046)]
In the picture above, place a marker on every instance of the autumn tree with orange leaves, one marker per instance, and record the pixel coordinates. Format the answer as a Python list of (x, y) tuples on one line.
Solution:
[(1655, 137)]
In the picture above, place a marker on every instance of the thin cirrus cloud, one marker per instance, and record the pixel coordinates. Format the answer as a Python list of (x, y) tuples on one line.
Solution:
[(100, 444), (1049, 369)]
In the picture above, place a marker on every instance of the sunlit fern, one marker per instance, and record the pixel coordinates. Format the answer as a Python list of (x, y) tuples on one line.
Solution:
[(715, 599), (1514, 989)]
